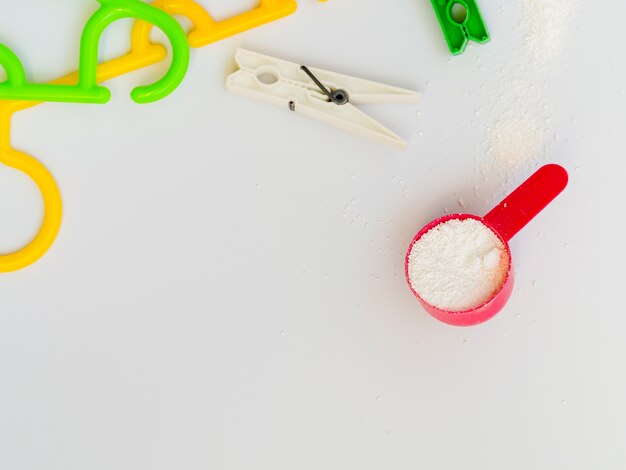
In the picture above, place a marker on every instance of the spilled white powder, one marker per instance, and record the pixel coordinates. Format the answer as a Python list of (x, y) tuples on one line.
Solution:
[(531, 57), (458, 265)]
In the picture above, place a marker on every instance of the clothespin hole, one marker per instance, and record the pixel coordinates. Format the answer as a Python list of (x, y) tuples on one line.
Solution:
[(458, 13), (267, 75)]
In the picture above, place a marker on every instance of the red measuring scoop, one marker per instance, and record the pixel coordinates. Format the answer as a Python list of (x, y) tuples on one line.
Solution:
[(505, 220)]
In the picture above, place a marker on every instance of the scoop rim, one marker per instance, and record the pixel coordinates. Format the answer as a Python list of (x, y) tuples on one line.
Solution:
[(427, 228)]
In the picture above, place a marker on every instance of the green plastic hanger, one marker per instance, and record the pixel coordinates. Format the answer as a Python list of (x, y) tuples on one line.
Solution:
[(87, 90), (461, 22)]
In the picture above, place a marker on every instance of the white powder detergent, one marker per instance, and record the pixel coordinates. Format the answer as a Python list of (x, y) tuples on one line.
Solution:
[(458, 265)]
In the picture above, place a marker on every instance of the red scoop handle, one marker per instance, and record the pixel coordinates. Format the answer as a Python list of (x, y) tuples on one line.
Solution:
[(523, 204)]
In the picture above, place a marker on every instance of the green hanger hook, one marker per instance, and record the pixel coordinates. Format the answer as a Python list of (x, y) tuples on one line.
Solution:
[(87, 90)]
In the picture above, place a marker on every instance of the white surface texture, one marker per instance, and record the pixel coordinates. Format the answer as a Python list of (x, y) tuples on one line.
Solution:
[(227, 290)]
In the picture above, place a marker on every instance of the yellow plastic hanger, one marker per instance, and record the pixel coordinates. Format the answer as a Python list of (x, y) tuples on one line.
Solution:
[(50, 192), (206, 30), (142, 54)]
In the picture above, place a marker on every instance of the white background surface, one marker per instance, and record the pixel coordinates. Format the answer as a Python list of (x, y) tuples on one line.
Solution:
[(227, 289)]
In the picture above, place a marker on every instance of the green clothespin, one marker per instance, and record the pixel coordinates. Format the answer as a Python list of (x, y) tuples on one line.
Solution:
[(87, 90), (461, 22)]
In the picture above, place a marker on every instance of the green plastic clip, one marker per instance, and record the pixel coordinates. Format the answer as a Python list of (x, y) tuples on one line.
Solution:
[(16, 87), (461, 22)]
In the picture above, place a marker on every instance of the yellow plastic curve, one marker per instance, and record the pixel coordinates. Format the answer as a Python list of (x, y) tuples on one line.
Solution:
[(142, 53), (52, 200)]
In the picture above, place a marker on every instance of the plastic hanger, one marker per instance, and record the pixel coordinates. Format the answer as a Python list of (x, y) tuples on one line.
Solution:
[(86, 90), (206, 30), (142, 54)]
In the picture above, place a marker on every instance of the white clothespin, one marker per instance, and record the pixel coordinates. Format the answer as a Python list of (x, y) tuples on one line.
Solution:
[(320, 94)]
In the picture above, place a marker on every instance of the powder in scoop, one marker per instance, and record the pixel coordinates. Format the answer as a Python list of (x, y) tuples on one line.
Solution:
[(458, 265)]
